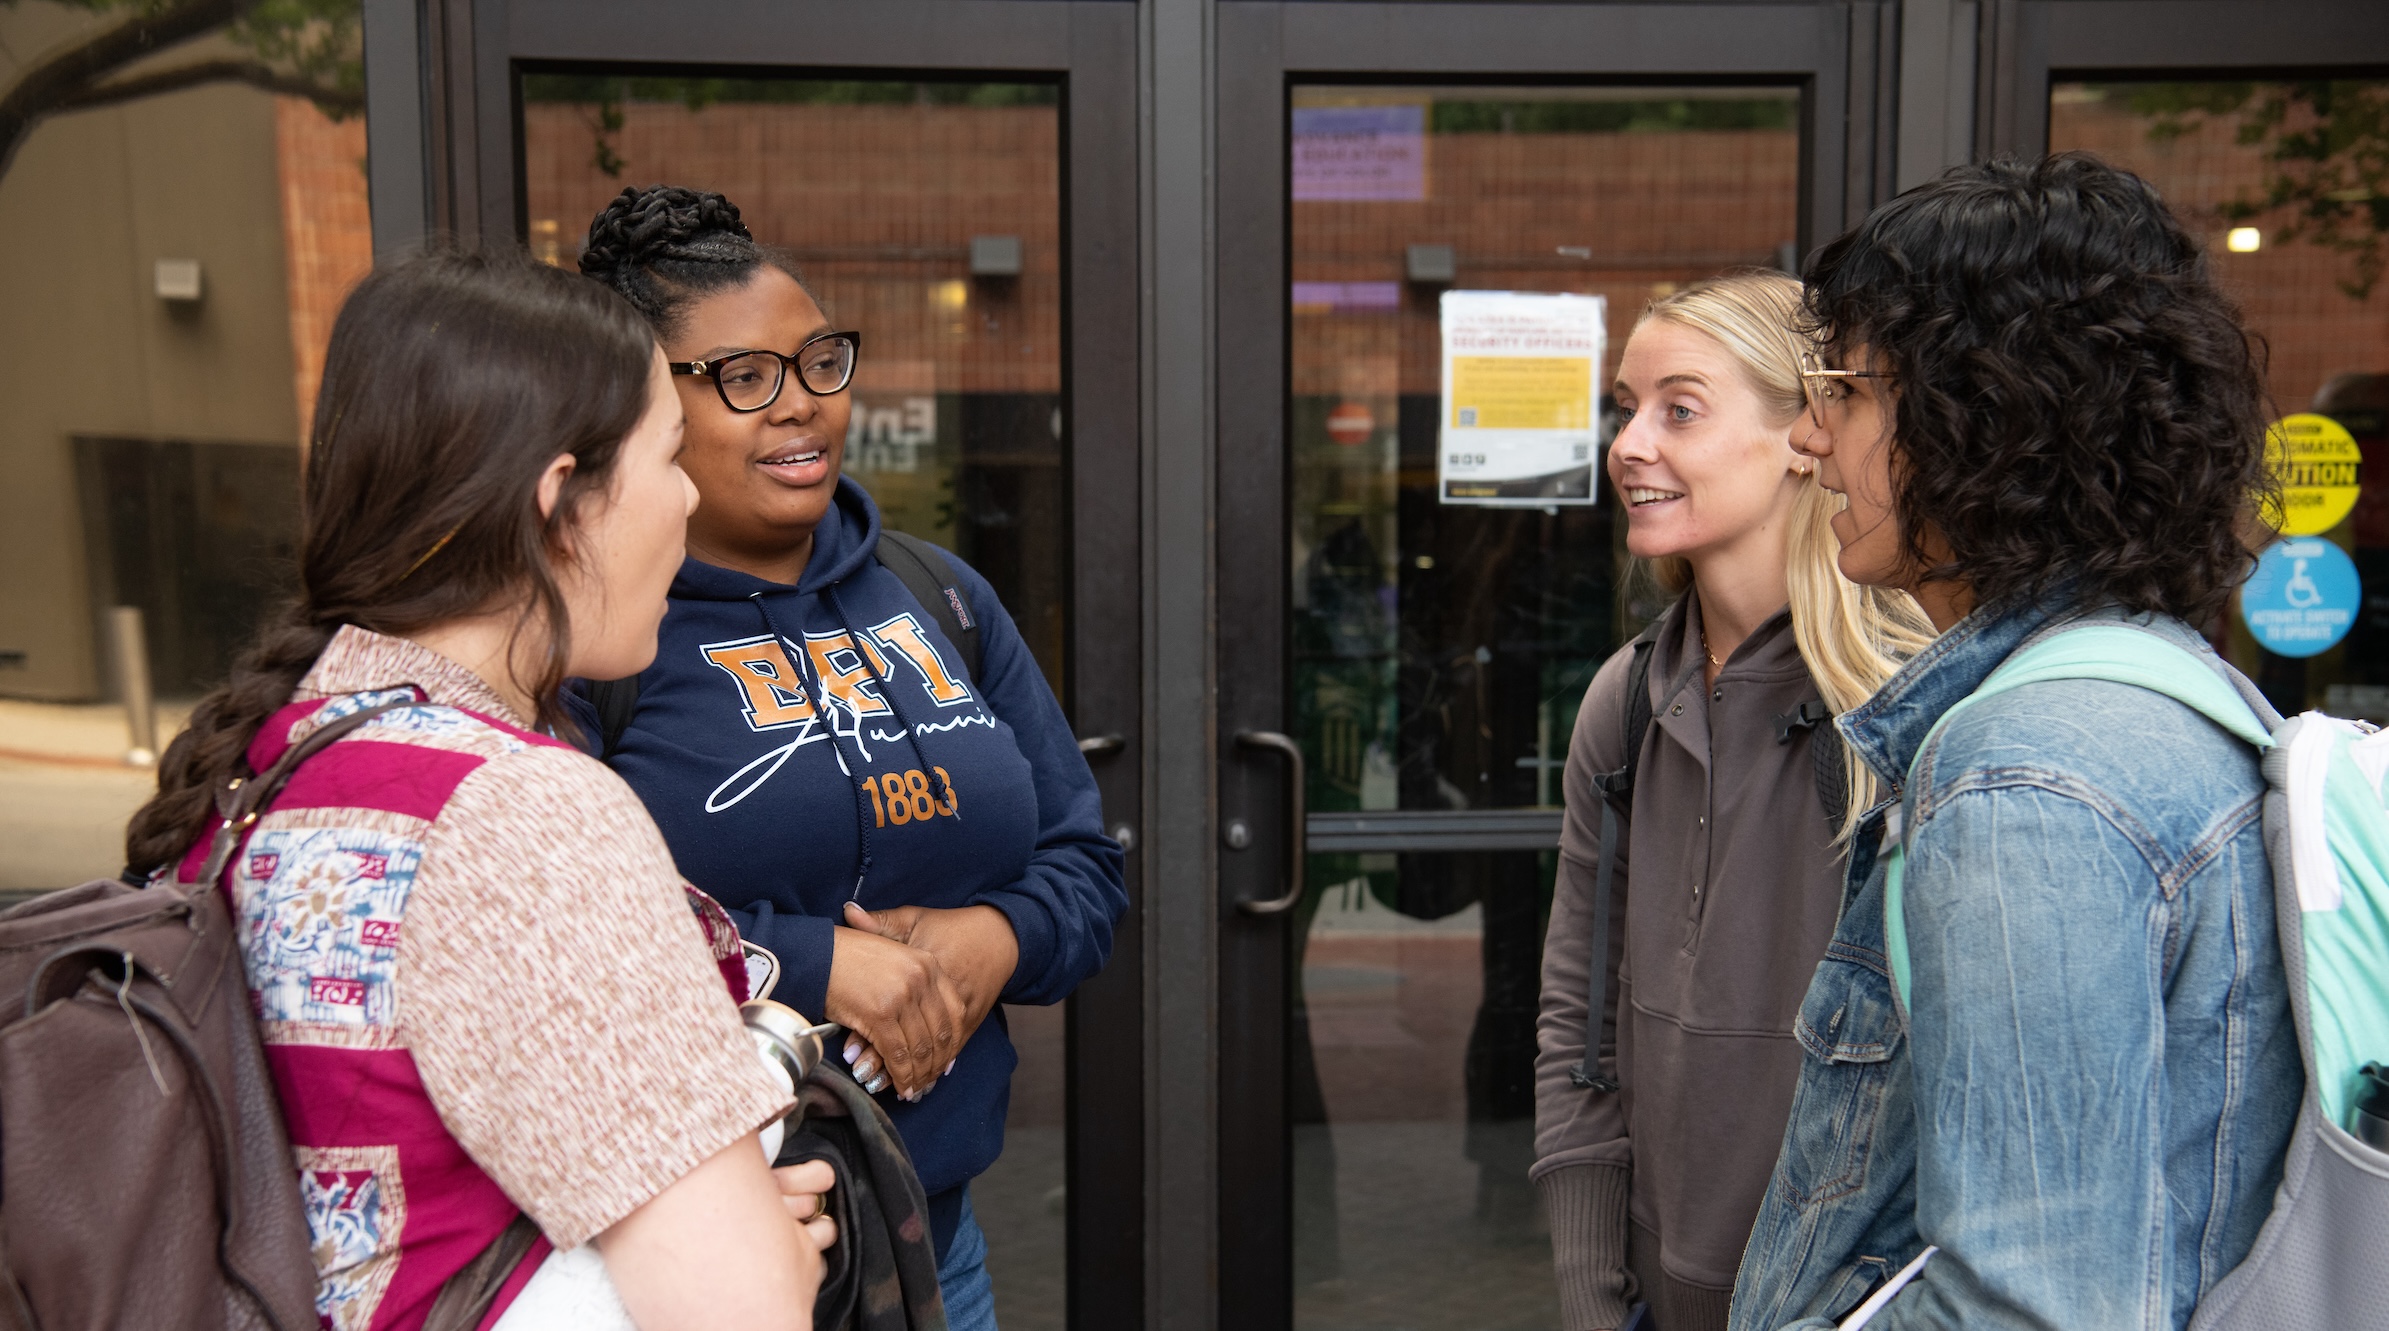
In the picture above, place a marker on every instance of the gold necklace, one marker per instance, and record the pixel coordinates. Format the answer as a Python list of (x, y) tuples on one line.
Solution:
[(1707, 653)]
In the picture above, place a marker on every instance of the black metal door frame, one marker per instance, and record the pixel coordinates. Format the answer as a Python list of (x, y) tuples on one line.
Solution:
[(1842, 58), (2028, 44), (445, 127)]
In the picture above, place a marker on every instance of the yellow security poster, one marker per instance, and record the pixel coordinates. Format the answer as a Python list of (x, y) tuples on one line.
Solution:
[(2318, 465), (1519, 394)]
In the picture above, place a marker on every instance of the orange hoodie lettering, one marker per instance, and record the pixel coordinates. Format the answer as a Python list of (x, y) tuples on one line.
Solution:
[(903, 634), (775, 696), (844, 675)]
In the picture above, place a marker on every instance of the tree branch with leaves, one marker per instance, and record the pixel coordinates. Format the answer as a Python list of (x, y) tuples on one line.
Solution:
[(2326, 142), (298, 48)]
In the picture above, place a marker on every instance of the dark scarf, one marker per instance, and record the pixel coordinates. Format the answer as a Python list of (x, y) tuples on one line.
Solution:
[(883, 1269)]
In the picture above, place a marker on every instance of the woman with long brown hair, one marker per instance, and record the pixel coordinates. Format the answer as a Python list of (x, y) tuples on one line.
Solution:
[(492, 502)]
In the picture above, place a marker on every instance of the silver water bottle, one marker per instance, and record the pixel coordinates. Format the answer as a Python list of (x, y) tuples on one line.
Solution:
[(790, 1046)]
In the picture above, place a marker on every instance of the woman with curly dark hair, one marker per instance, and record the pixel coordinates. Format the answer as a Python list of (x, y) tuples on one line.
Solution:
[(2050, 1045)]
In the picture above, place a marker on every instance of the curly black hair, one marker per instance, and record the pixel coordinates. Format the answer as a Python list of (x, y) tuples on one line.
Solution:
[(2078, 409), (664, 246)]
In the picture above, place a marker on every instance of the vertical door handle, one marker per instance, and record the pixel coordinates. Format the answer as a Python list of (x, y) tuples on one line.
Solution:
[(1298, 830)]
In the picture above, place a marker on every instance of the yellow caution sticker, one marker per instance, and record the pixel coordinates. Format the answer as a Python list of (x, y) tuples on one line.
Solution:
[(2319, 467)]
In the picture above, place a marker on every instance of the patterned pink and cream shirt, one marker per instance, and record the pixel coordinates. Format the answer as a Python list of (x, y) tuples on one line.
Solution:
[(480, 984)]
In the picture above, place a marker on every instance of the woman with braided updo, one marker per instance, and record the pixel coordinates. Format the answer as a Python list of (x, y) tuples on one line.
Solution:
[(911, 831)]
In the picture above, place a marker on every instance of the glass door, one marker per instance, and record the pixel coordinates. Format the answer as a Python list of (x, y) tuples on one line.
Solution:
[(1414, 618), (2266, 129), (927, 215), (1444, 626)]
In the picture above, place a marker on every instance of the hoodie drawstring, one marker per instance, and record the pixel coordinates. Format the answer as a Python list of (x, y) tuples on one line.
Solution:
[(887, 691), (810, 679)]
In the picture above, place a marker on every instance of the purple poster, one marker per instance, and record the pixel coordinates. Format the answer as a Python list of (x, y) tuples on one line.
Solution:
[(1360, 152)]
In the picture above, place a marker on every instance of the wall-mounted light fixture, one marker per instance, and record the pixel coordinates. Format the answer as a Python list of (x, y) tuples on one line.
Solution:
[(995, 256), (1432, 264), (2243, 240), (177, 280)]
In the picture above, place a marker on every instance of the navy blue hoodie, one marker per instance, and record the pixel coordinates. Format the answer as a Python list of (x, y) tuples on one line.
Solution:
[(783, 814)]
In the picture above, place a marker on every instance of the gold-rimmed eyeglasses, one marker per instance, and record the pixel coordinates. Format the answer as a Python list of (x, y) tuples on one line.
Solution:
[(1820, 385)]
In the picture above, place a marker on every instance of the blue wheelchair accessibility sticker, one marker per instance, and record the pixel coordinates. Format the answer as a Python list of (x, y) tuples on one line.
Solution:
[(2302, 599)]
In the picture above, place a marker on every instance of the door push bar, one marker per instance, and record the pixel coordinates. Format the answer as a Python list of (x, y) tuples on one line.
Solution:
[(1297, 827)]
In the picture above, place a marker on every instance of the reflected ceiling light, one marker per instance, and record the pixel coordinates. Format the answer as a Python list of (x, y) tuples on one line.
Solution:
[(2243, 240)]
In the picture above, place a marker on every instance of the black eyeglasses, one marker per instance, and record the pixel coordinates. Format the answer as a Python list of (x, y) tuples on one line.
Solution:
[(751, 380)]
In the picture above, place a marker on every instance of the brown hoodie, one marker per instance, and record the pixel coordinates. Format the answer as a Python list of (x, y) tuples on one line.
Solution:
[(1732, 899)]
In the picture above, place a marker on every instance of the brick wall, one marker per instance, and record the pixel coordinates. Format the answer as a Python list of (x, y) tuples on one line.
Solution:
[(327, 232), (2287, 291), (878, 203), (1647, 211)]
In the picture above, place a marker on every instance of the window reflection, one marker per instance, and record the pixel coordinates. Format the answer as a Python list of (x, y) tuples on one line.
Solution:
[(2283, 179), (1439, 650), (927, 217), (189, 236)]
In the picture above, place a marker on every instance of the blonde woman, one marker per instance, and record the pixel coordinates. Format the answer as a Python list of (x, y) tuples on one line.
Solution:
[(1728, 803)]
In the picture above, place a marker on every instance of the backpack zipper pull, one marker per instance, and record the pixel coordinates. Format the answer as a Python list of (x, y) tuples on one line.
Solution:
[(124, 999)]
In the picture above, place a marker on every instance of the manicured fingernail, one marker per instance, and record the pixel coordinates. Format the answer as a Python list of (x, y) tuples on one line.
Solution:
[(876, 1084), (951, 1066), (854, 1047), (867, 1069)]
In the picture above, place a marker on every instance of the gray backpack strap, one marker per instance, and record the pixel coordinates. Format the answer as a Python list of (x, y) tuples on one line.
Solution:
[(1616, 788), (923, 570)]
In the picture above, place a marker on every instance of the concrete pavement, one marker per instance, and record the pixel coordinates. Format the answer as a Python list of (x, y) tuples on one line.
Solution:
[(65, 792)]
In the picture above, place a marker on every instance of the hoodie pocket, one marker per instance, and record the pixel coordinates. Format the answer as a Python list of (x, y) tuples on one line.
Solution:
[(1849, 1031)]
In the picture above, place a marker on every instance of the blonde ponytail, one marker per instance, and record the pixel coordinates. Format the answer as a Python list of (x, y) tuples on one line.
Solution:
[(1852, 638)]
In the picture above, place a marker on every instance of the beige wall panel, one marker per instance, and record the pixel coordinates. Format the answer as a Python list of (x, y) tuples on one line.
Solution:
[(86, 347)]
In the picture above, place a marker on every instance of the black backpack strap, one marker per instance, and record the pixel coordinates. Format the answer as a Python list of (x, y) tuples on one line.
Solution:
[(1616, 788), (1825, 752), (616, 700), (923, 570)]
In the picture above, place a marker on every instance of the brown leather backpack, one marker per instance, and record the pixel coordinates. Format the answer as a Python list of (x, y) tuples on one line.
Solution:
[(145, 1177)]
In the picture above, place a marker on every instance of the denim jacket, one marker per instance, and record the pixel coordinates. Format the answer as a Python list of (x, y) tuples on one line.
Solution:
[(2086, 1101)]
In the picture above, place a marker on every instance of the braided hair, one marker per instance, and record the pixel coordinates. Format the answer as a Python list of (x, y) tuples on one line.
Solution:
[(665, 246)]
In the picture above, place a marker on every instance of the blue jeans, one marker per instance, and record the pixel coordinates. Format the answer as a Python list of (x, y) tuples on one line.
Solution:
[(962, 1277)]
